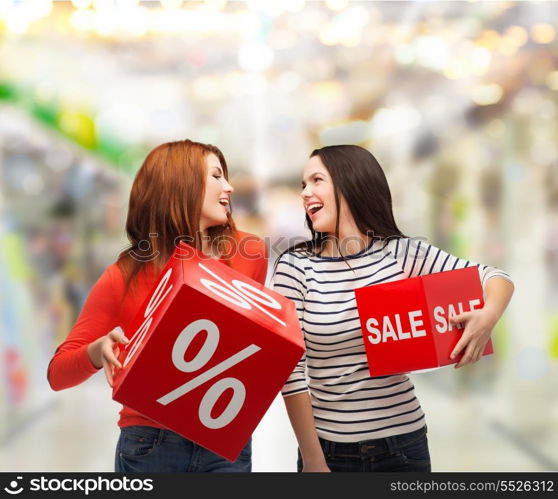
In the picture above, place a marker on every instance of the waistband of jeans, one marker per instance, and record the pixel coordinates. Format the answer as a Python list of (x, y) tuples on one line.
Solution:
[(158, 434), (373, 446), (163, 435)]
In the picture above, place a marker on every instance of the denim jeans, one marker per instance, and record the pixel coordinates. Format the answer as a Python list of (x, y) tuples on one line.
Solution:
[(146, 449), (407, 452)]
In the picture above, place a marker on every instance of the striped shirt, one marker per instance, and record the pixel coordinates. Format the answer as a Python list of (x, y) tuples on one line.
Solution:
[(348, 404)]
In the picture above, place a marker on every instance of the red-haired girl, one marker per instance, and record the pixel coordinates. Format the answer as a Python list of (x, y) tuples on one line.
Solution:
[(181, 192)]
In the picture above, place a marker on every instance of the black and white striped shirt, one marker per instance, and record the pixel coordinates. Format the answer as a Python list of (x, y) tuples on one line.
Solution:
[(348, 404)]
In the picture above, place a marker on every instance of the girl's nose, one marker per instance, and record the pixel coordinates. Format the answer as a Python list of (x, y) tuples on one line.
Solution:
[(306, 192), (228, 188)]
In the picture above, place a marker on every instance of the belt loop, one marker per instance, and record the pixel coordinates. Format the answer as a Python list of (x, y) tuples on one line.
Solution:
[(329, 447), (391, 443), (160, 436)]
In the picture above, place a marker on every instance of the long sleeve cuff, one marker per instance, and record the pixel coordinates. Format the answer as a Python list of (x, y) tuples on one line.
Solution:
[(85, 362)]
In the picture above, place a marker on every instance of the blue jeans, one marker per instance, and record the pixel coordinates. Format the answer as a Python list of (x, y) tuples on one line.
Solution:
[(407, 452), (147, 449)]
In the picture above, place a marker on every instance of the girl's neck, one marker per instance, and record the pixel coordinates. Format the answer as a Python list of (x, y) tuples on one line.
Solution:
[(208, 248), (347, 244)]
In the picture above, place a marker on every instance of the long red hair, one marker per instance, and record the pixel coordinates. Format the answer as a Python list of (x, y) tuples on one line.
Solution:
[(165, 206)]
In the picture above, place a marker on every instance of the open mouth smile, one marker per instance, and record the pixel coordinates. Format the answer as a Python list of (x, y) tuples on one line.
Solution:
[(313, 208)]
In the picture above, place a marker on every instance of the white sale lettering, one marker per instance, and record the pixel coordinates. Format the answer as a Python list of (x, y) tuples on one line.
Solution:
[(391, 327), (388, 331), (442, 319)]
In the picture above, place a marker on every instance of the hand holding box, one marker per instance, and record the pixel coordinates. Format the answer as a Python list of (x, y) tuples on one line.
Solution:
[(405, 324)]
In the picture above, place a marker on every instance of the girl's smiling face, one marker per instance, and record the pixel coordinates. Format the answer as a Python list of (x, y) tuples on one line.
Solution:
[(216, 202), (318, 197)]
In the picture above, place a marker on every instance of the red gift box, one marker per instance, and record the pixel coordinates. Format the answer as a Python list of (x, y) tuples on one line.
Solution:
[(405, 324), (209, 351)]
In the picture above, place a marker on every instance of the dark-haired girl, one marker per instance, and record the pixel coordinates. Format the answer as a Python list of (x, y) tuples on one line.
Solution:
[(343, 419), (181, 192)]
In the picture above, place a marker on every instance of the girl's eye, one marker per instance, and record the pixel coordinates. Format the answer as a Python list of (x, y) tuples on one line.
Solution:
[(216, 176), (316, 179)]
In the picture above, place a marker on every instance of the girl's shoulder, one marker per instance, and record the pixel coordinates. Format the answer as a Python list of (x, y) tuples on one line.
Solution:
[(248, 255), (242, 235), (295, 254), (250, 245), (113, 274), (118, 271)]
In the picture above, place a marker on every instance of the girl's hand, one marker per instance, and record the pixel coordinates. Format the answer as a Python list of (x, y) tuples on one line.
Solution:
[(478, 327), (104, 352)]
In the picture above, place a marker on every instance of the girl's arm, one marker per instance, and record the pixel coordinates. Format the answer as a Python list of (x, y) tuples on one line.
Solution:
[(79, 356), (421, 258), (479, 323), (299, 410)]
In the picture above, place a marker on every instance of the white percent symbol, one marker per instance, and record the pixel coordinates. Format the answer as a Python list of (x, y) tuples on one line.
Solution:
[(207, 350), (242, 294), (160, 293)]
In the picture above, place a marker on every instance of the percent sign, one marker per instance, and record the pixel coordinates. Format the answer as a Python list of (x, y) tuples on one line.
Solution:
[(160, 293), (244, 295)]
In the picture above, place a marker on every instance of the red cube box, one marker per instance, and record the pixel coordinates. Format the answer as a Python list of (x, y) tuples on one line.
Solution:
[(405, 323), (209, 351)]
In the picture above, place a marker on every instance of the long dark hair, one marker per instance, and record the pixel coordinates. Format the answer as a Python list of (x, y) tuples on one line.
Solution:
[(359, 179), (165, 205)]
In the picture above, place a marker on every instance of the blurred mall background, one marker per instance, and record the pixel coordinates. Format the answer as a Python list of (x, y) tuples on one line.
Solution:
[(458, 100)]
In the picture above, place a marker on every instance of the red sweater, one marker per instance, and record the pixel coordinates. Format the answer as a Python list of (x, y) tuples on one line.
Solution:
[(104, 310)]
